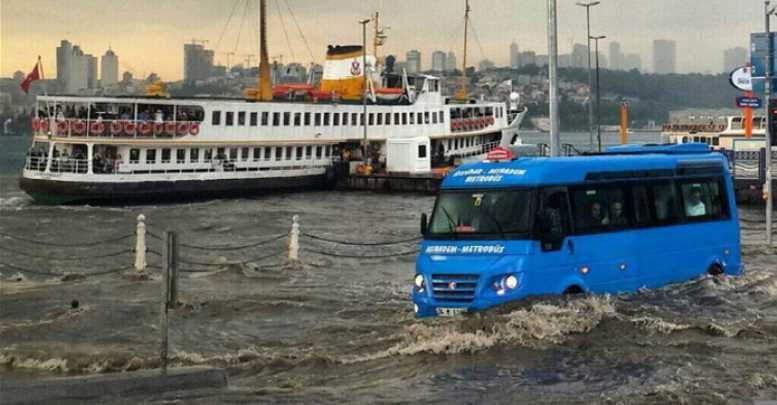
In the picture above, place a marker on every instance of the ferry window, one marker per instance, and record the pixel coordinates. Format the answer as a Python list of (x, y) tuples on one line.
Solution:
[(361, 119), (165, 155), (134, 155), (318, 151), (665, 202), (286, 118), (278, 153), (317, 121), (328, 151), (257, 154), (426, 117), (380, 119), (387, 120), (404, 118), (276, 119), (441, 117), (208, 155), (307, 118), (308, 152), (434, 118), (254, 119), (420, 119), (354, 118), (297, 119), (299, 152), (326, 119), (702, 199), (371, 119), (180, 156), (641, 201), (229, 120), (265, 118), (396, 118), (244, 154), (215, 118), (422, 151), (220, 153), (412, 118), (194, 155), (716, 141), (232, 153), (289, 149), (150, 155), (345, 118), (187, 113), (267, 153), (241, 118), (336, 119)]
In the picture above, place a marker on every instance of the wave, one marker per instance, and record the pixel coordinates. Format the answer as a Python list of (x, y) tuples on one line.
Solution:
[(15, 203)]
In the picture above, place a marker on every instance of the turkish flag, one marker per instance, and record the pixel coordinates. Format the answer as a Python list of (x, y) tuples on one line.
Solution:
[(34, 75)]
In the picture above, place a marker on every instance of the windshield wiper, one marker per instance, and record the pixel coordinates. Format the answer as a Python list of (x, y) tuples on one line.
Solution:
[(496, 222), (451, 222)]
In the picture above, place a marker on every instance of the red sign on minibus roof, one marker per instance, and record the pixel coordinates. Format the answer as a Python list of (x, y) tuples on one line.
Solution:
[(499, 153)]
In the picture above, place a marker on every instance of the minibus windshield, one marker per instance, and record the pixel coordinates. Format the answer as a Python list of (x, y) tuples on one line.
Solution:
[(482, 213)]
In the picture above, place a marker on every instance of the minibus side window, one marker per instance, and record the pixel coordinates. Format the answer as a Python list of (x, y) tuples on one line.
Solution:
[(552, 222), (600, 208), (641, 203), (665, 202), (702, 199)]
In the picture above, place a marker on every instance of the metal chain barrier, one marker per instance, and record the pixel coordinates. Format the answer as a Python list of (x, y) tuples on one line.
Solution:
[(69, 245), (349, 243)]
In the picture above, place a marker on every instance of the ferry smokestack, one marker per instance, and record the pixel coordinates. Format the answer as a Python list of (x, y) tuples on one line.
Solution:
[(263, 85)]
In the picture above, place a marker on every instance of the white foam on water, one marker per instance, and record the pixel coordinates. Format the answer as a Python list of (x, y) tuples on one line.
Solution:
[(538, 325), (658, 325), (14, 203)]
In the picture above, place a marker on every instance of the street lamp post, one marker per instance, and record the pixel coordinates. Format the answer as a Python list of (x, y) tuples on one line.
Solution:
[(598, 98), (769, 11), (364, 89), (555, 120), (590, 73)]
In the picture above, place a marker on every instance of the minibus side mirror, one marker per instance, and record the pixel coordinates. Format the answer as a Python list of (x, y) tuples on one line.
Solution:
[(424, 224)]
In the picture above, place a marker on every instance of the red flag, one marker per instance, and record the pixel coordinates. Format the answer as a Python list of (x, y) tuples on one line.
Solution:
[(34, 75)]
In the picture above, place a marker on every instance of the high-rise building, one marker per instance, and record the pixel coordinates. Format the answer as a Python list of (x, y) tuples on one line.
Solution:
[(527, 58), (664, 56), (617, 59), (91, 71), (413, 58), (542, 60), (64, 53), (109, 68), (579, 56), (77, 71), (197, 62), (564, 60), (734, 58), (602, 60), (438, 61), (633, 61), (450, 62), (515, 57)]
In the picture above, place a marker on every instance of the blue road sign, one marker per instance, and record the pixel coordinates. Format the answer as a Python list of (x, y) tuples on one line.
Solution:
[(759, 51), (753, 102)]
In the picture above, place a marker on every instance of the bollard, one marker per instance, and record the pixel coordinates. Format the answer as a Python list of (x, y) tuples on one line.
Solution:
[(140, 244), (294, 240)]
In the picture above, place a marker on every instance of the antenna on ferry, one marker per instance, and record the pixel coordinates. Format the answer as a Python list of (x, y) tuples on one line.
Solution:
[(379, 37), (461, 95)]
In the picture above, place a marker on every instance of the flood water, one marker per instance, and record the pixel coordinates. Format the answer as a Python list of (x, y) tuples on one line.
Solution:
[(338, 329)]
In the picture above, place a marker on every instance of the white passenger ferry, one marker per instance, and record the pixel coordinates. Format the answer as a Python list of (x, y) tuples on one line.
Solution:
[(719, 135), (288, 136)]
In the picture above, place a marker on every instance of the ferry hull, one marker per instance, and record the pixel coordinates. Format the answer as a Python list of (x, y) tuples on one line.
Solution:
[(59, 192)]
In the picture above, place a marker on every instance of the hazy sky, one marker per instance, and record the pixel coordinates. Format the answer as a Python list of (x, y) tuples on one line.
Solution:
[(148, 35)]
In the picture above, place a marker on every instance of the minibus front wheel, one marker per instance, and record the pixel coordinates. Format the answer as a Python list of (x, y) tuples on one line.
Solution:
[(715, 269)]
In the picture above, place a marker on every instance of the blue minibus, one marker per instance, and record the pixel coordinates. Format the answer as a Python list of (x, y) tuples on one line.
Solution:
[(633, 216)]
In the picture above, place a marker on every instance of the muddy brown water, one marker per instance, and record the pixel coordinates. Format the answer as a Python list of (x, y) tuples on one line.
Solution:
[(337, 330)]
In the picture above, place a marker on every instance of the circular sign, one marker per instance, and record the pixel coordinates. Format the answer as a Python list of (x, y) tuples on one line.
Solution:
[(741, 78)]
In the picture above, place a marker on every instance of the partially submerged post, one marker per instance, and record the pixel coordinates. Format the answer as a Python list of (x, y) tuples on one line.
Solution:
[(294, 240), (168, 263), (140, 244)]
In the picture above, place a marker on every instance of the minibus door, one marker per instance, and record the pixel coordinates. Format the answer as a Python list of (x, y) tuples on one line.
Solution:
[(555, 261)]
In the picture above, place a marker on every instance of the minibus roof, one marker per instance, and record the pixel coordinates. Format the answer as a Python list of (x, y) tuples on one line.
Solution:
[(625, 162)]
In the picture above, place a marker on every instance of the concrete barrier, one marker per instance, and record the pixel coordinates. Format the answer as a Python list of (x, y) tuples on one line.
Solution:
[(113, 384)]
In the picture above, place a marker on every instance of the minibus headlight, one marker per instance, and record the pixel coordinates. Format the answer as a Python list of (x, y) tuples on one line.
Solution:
[(510, 282), (419, 281)]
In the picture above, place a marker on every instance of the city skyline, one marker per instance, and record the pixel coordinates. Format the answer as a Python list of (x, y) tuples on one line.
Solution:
[(127, 28)]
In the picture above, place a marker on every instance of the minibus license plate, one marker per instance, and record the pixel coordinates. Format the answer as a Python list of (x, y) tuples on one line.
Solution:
[(451, 311)]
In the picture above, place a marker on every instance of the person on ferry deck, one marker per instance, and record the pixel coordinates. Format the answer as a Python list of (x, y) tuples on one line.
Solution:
[(159, 117)]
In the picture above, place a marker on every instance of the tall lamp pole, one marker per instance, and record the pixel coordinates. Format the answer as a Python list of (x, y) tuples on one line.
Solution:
[(767, 95), (364, 88), (598, 98), (555, 120), (590, 73)]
